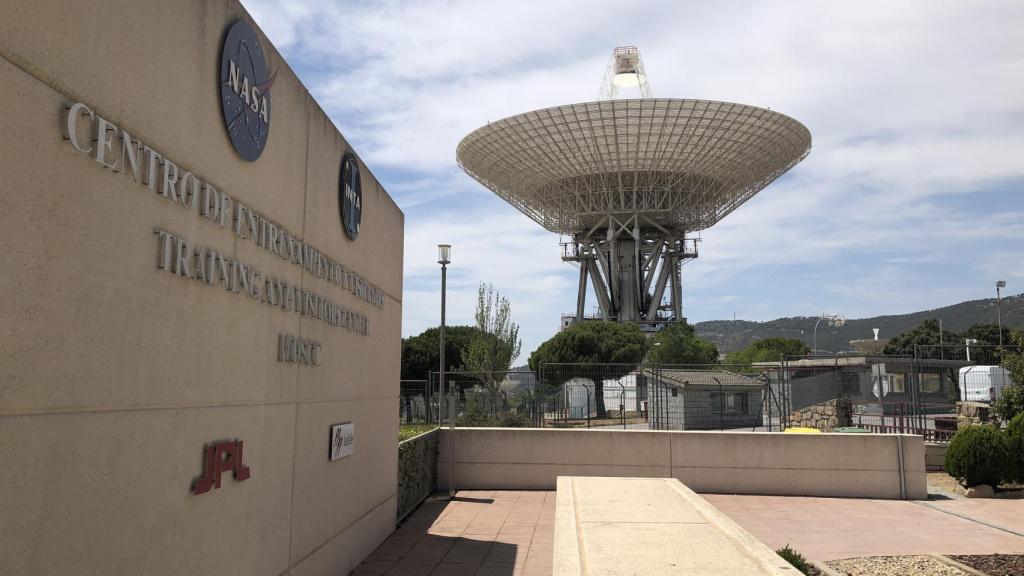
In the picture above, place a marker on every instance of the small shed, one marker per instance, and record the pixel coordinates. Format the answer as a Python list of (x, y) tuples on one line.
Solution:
[(692, 399)]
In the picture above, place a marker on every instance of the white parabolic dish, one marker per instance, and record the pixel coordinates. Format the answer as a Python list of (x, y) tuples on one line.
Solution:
[(682, 164)]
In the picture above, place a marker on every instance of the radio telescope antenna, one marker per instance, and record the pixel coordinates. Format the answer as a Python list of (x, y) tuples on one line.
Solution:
[(632, 182), (625, 70)]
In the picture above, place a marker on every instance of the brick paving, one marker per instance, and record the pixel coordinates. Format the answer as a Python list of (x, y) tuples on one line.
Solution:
[(510, 533), (1005, 513), (834, 528), (480, 533)]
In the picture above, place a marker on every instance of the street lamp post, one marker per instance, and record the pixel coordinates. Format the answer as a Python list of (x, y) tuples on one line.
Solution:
[(999, 319), (967, 345), (444, 253), (833, 320)]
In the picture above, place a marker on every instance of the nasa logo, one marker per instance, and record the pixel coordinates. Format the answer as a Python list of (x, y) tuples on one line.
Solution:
[(350, 196), (245, 91)]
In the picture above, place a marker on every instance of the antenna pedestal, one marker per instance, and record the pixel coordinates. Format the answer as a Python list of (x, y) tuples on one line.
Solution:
[(635, 271)]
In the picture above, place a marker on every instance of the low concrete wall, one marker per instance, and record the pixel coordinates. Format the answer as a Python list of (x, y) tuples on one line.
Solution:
[(935, 456), (836, 465)]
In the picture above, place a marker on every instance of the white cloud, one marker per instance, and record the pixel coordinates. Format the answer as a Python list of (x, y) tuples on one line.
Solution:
[(519, 258), (916, 108)]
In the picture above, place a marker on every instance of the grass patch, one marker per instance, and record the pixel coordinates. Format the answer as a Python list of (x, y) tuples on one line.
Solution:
[(796, 559), (406, 431)]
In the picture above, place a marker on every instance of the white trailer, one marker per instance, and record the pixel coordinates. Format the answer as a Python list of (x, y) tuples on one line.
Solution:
[(982, 383)]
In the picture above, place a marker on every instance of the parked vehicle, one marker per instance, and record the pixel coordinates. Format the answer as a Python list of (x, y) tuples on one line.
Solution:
[(982, 383)]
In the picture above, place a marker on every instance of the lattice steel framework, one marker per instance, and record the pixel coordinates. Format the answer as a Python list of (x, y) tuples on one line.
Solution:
[(625, 69), (629, 180)]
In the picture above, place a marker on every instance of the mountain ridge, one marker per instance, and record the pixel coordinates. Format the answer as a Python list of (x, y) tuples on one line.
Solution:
[(733, 335)]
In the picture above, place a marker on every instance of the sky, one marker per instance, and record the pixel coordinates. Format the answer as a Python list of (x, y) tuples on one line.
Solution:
[(912, 196)]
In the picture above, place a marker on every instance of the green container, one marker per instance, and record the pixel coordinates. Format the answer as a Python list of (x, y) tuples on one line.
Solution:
[(852, 430)]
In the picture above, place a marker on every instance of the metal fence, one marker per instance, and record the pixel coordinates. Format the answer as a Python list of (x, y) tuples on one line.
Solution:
[(617, 396), (912, 394), (906, 394), (416, 404), (715, 397)]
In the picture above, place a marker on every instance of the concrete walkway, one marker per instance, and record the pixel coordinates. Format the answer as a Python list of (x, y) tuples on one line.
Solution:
[(481, 533), (833, 528), (654, 527)]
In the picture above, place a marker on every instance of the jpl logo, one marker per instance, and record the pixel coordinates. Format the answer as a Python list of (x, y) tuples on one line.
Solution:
[(220, 458)]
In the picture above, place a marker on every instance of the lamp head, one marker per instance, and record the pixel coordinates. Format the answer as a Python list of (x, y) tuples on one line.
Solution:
[(444, 253), (1001, 284)]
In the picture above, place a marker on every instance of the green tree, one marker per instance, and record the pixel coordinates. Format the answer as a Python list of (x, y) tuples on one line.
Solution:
[(421, 354), (677, 343), (606, 351), (1013, 359), (768, 350), (978, 455), (926, 334), (1011, 400), (1015, 444), (985, 334), (496, 344)]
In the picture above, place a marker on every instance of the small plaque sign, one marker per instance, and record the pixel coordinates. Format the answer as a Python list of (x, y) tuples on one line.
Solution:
[(343, 440)]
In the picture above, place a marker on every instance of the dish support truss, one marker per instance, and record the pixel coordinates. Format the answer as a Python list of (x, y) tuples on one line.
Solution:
[(632, 263)]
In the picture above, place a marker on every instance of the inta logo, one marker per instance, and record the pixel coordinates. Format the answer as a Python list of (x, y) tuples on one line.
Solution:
[(245, 91), (350, 196)]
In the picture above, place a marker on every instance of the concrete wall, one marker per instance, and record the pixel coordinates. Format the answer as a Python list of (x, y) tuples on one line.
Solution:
[(114, 374), (935, 456), (839, 465)]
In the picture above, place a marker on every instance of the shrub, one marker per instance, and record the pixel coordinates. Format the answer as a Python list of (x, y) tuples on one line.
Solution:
[(1015, 446), (977, 455), (1010, 402), (795, 558)]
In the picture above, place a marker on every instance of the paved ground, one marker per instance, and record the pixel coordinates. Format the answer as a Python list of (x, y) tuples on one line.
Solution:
[(510, 533), (833, 528), (481, 533)]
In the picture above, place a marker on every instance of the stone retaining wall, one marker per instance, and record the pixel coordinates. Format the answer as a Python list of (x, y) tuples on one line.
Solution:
[(969, 413), (417, 471), (824, 416)]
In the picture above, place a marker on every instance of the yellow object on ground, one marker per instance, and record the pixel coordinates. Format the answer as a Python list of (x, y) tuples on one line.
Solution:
[(800, 430)]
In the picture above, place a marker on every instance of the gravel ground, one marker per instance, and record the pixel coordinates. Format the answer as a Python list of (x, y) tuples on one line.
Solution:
[(894, 566), (995, 564), (943, 484)]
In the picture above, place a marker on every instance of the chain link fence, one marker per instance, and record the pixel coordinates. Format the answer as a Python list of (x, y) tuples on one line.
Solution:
[(913, 394), (616, 396), (906, 394), (416, 404)]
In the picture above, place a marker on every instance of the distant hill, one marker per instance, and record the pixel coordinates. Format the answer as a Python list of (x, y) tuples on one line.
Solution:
[(732, 335)]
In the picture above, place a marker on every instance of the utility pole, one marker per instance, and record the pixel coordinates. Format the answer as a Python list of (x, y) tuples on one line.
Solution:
[(999, 318)]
